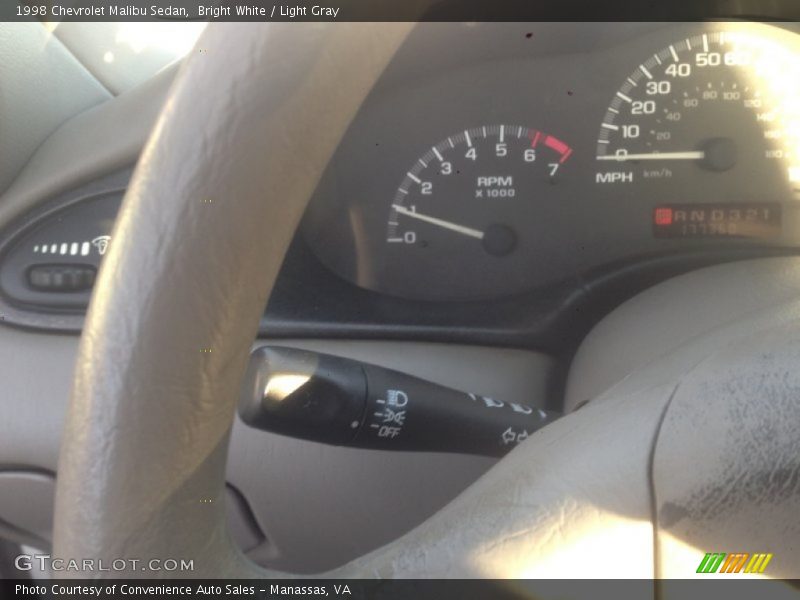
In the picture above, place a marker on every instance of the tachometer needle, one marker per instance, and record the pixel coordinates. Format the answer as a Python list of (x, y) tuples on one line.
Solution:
[(699, 155), (439, 222)]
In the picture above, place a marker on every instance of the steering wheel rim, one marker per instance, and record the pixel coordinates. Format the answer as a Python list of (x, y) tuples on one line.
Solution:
[(201, 235), (203, 169)]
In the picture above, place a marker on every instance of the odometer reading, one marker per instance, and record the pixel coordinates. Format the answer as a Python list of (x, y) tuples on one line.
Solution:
[(760, 220)]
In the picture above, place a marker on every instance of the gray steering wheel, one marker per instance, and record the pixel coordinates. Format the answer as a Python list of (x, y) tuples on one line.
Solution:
[(694, 452)]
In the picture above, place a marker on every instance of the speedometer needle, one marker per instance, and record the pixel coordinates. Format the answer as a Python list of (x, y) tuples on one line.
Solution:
[(699, 155), (439, 222)]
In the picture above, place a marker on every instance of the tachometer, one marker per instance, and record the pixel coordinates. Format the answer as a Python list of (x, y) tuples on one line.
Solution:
[(713, 118), (472, 199)]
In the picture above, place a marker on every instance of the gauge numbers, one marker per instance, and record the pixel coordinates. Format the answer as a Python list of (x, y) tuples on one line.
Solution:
[(474, 185), (467, 215), (704, 104)]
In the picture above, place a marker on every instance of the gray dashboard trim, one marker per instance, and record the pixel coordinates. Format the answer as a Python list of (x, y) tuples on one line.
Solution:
[(304, 488), (107, 138), (43, 85), (26, 316), (121, 56)]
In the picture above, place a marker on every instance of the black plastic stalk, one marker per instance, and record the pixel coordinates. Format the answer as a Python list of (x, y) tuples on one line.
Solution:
[(344, 402)]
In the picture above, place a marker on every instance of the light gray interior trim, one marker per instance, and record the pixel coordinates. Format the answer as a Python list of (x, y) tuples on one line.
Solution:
[(650, 326), (126, 54), (322, 506), (341, 491), (64, 322), (142, 465), (703, 441), (210, 266), (26, 503), (97, 142), (43, 85), (35, 394), (30, 431), (735, 422)]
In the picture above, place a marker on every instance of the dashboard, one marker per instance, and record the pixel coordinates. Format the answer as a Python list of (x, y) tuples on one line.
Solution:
[(495, 178), (504, 184), (502, 189)]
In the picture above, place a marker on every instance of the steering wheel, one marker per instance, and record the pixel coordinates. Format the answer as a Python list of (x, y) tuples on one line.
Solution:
[(696, 449)]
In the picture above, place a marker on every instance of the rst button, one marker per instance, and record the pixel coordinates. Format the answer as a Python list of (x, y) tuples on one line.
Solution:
[(61, 277)]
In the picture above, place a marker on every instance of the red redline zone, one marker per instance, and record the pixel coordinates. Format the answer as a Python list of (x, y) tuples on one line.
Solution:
[(553, 143)]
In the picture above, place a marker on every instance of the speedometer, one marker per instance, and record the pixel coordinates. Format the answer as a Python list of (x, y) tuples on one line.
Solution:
[(710, 118)]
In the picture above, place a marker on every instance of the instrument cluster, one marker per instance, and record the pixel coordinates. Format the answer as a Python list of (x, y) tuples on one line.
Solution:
[(496, 159)]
